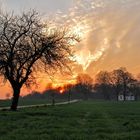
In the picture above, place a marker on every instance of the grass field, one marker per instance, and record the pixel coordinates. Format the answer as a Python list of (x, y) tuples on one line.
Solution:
[(79, 121), (24, 102)]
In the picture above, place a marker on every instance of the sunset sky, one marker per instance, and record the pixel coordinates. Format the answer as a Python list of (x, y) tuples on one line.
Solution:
[(109, 31)]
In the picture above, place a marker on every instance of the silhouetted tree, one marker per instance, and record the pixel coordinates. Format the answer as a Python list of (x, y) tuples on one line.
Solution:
[(116, 81), (68, 89), (85, 84), (103, 83), (122, 79), (27, 46), (134, 87), (52, 91)]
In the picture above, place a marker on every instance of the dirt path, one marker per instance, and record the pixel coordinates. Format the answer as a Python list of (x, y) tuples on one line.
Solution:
[(40, 105)]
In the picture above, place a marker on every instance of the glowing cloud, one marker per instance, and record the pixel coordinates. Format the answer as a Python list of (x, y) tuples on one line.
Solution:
[(104, 26)]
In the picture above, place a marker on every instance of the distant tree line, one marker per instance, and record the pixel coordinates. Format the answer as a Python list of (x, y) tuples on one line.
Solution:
[(107, 86), (119, 81)]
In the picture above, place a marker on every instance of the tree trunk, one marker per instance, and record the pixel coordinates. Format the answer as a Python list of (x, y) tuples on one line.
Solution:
[(117, 96), (53, 102), (136, 96), (16, 92), (69, 96), (117, 93), (53, 99), (124, 93)]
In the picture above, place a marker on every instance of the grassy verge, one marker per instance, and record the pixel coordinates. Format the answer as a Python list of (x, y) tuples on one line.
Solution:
[(23, 102), (79, 121)]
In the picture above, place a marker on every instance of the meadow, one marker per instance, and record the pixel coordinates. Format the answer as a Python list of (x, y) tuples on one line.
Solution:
[(85, 120), (26, 102)]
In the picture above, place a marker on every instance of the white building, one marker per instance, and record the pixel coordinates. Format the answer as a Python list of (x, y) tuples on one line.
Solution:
[(130, 97)]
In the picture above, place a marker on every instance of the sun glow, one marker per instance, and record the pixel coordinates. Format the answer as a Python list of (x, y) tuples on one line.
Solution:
[(108, 39), (79, 30), (61, 85), (61, 90)]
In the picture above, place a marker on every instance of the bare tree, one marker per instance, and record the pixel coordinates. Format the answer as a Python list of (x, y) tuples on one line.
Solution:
[(85, 84), (68, 88), (53, 93), (27, 46), (121, 79), (116, 81), (103, 83)]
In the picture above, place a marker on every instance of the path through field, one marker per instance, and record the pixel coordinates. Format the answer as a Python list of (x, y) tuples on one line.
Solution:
[(41, 105)]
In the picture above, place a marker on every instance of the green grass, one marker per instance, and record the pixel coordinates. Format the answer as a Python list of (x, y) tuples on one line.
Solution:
[(22, 102), (79, 121)]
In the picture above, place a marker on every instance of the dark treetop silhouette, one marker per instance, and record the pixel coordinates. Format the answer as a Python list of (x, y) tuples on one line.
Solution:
[(119, 80), (85, 84), (26, 46)]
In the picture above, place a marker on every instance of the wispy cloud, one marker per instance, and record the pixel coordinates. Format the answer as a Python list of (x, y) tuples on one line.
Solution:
[(109, 29)]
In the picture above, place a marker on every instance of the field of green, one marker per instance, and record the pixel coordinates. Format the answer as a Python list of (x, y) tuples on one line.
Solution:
[(91, 120), (24, 102)]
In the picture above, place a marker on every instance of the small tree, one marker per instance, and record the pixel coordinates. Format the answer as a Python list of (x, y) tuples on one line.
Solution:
[(68, 89), (27, 46), (53, 93)]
